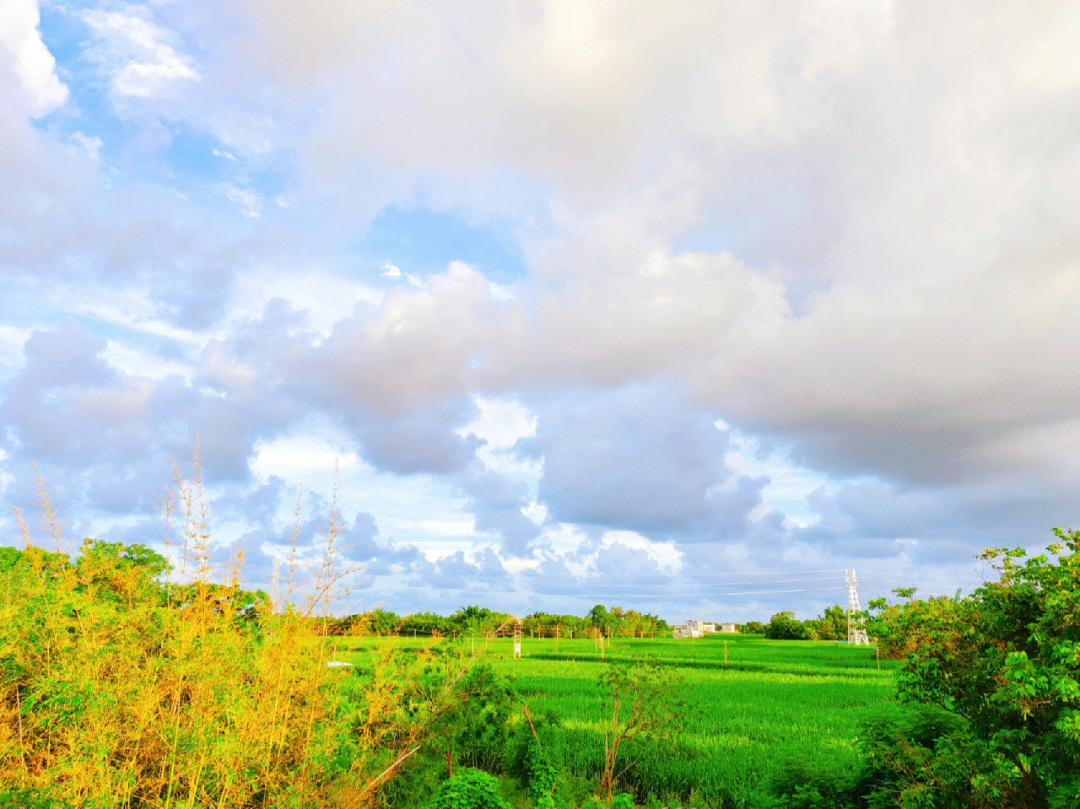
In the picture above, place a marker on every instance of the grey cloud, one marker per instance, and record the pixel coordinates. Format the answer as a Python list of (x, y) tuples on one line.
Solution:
[(358, 540), (478, 571), (421, 440), (639, 458), (115, 435), (414, 350), (618, 564), (875, 518), (497, 503)]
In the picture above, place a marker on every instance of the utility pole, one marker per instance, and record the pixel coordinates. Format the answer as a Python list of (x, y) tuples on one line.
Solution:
[(855, 632)]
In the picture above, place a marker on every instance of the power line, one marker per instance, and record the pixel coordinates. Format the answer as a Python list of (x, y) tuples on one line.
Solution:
[(710, 584), (725, 593), (914, 577)]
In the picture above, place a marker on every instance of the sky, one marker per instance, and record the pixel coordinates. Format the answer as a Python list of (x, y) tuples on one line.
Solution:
[(686, 308)]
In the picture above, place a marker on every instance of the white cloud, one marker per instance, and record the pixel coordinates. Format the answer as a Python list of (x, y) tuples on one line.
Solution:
[(12, 340), (22, 49), (307, 459), (143, 362), (324, 295), (392, 272), (665, 554), (89, 144), (537, 512), (500, 421), (250, 201), (137, 55)]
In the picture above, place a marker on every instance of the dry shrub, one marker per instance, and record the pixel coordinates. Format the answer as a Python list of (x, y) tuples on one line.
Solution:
[(121, 688)]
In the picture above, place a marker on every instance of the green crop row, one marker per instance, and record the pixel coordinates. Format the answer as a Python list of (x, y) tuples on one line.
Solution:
[(775, 702)]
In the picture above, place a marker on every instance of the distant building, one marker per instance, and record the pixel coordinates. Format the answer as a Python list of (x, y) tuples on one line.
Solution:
[(729, 628), (693, 629)]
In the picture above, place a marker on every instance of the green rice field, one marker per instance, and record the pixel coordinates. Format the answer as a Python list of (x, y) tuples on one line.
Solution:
[(774, 706)]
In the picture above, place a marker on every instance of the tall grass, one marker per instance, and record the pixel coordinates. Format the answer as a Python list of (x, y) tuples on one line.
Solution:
[(121, 686)]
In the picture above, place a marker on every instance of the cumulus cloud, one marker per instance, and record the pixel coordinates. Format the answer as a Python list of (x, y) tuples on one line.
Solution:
[(414, 350), (23, 53)]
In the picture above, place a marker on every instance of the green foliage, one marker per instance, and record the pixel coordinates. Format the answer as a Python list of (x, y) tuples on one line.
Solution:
[(832, 625), (600, 618), (640, 700), (901, 629), (540, 772), (477, 620), (1005, 664), (30, 799), (469, 789), (119, 690), (784, 626), (476, 727)]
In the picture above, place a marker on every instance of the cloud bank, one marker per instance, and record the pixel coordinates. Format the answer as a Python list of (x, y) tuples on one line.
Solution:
[(608, 297)]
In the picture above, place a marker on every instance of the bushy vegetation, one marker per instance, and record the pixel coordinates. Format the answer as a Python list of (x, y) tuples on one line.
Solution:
[(989, 708), (121, 686), (1004, 665), (832, 625)]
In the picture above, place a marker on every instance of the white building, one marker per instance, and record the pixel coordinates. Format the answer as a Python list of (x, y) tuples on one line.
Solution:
[(693, 629)]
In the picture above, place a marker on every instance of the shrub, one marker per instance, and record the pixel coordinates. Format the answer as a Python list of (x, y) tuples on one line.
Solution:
[(469, 789)]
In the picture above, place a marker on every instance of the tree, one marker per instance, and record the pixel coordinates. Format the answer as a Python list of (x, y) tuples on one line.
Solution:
[(476, 620), (600, 619), (1005, 664), (643, 702), (784, 626), (901, 629)]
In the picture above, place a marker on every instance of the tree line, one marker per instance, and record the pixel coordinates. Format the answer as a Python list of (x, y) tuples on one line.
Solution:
[(477, 621)]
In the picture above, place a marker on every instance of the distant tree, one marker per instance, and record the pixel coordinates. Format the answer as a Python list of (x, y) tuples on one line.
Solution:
[(476, 620), (631, 624), (784, 626), (426, 623), (752, 628), (600, 619), (384, 622), (832, 625)]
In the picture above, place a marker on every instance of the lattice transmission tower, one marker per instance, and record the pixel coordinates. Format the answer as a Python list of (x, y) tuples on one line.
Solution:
[(855, 632)]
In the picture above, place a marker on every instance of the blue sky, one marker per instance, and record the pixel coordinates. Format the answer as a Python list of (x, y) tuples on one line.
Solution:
[(675, 309)]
